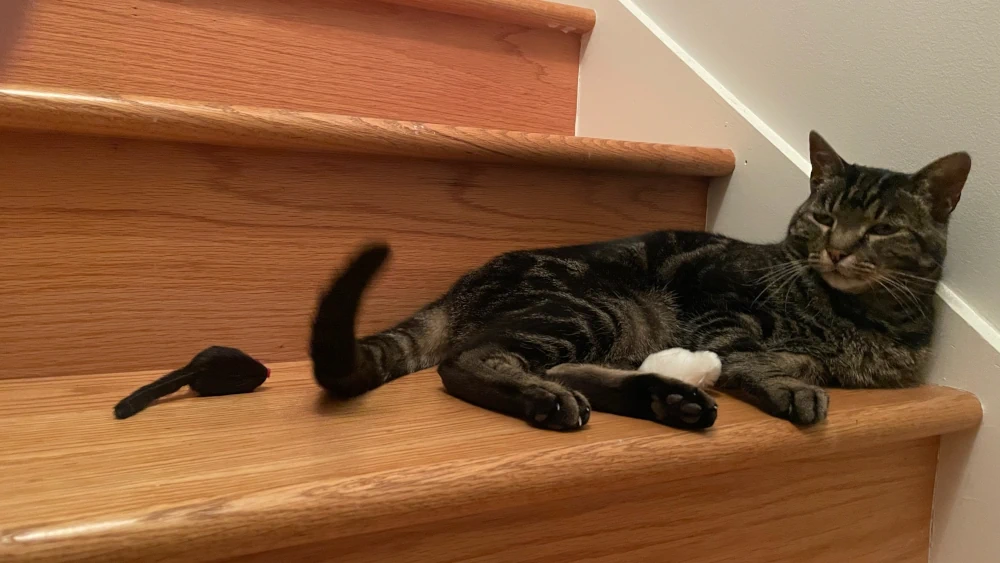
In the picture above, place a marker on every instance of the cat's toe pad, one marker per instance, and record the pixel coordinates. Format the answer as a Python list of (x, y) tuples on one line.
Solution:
[(701, 369), (681, 405)]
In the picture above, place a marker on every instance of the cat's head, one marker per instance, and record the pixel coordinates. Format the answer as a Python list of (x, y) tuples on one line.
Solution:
[(864, 227)]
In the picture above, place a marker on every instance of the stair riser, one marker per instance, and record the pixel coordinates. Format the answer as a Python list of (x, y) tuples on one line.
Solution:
[(125, 255), (868, 506), (358, 57)]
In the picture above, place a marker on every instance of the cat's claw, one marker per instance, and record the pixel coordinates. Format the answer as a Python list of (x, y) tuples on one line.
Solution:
[(557, 408)]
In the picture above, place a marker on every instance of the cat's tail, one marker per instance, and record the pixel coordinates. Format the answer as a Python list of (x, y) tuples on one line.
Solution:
[(346, 366)]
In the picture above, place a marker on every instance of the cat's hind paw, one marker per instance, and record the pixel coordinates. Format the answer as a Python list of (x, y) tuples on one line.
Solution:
[(680, 405)]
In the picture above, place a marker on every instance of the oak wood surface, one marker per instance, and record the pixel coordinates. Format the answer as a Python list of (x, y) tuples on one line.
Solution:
[(124, 255), (529, 13), (358, 57), (156, 119), (869, 506), (200, 478)]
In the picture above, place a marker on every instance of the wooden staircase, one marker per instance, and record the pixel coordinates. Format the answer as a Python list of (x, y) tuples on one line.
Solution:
[(180, 173)]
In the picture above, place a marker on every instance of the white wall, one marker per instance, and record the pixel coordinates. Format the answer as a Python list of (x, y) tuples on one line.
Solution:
[(633, 87), (893, 84)]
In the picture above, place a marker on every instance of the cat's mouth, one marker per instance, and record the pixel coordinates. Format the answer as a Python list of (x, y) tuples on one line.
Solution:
[(849, 275), (846, 282)]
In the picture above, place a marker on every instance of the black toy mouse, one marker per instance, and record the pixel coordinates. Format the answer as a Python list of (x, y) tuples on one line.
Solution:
[(216, 370)]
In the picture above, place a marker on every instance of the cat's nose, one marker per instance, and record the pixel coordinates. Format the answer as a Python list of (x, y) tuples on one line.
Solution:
[(836, 255)]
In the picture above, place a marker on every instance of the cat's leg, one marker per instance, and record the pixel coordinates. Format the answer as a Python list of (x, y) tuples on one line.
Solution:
[(494, 378), (638, 394), (780, 383)]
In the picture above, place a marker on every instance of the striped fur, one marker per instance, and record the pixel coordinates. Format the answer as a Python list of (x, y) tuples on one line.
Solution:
[(547, 335)]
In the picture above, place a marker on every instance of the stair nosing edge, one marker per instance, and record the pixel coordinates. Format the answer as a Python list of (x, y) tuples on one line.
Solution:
[(53, 111), (538, 14)]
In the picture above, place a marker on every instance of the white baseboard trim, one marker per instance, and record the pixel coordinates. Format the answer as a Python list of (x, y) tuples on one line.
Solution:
[(987, 331), (983, 328)]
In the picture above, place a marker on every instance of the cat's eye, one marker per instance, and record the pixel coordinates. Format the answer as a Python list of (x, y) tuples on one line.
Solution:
[(883, 229), (824, 219)]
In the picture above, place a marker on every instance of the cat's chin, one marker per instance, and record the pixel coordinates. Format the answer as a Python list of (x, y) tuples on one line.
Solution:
[(846, 284)]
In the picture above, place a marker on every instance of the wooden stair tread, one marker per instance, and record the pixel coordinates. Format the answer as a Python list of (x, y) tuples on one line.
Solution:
[(529, 13), (170, 120), (351, 57), (194, 478)]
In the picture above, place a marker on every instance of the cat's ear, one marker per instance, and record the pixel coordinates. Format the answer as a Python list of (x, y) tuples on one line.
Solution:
[(826, 163), (942, 181)]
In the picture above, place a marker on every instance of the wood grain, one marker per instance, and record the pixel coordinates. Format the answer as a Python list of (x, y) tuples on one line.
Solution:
[(200, 478), (121, 255), (529, 13), (358, 57), (870, 506), (145, 118)]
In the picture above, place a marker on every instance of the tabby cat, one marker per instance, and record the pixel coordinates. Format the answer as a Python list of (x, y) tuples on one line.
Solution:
[(846, 300)]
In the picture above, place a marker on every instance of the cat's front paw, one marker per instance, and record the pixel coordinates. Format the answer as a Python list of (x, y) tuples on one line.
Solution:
[(794, 400), (556, 407)]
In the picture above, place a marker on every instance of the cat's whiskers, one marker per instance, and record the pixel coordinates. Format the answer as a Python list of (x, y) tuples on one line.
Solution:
[(906, 289), (915, 285), (909, 276), (779, 276), (892, 285), (775, 276), (790, 284), (787, 283), (778, 269), (881, 282)]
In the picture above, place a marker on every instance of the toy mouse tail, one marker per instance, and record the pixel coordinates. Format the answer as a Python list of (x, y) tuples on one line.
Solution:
[(143, 396)]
